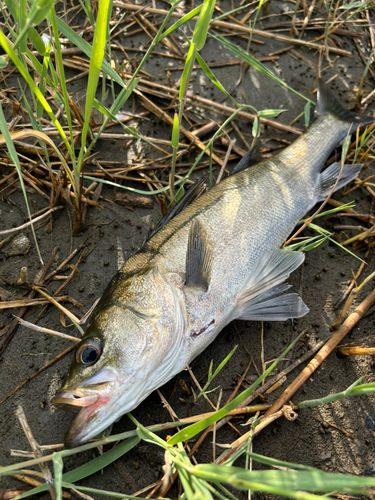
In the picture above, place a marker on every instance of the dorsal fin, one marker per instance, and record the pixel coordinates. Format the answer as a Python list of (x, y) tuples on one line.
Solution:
[(197, 189), (198, 258), (327, 103), (247, 160)]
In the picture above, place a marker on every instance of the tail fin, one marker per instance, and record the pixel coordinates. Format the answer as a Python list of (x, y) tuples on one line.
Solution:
[(327, 103)]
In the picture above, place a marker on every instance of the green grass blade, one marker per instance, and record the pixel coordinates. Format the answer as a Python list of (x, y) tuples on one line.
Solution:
[(341, 208), (38, 12), (21, 68), (3, 62), (189, 63), (209, 145), (255, 129), (175, 131), (201, 26), (180, 22), (89, 12), (42, 81), (97, 57), (118, 103), (36, 40), (254, 63), (229, 12), (101, 461), (272, 462), (217, 371), (146, 434), (270, 113), (16, 162), (311, 480), (62, 79), (322, 231), (12, 6), (194, 429), (37, 66), (308, 244), (224, 362), (213, 78), (90, 467), (111, 494), (57, 470), (354, 390), (87, 49), (22, 21)]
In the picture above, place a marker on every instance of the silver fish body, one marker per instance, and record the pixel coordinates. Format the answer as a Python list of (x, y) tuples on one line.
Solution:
[(217, 260)]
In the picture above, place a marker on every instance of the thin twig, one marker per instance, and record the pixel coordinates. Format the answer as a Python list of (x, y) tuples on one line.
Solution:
[(36, 451), (37, 328), (44, 367)]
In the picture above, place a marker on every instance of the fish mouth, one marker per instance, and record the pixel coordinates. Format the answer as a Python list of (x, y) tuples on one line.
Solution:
[(88, 398)]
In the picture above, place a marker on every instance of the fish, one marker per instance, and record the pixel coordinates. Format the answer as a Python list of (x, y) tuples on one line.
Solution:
[(217, 260)]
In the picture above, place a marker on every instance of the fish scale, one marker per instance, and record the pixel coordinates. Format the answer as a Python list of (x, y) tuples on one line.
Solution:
[(217, 260)]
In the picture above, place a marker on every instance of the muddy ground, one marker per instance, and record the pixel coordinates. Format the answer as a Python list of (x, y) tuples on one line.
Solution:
[(339, 437)]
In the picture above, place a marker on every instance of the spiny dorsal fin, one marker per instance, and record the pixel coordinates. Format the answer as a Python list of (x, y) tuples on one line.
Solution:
[(192, 194), (327, 103), (198, 257)]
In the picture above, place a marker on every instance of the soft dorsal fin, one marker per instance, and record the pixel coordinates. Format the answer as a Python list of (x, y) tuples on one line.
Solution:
[(328, 177), (198, 258), (262, 296), (248, 159), (327, 103)]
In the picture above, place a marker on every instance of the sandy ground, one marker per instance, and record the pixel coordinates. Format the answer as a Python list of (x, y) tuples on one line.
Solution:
[(338, 437)]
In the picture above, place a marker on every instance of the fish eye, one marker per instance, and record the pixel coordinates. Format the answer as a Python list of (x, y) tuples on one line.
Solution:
[(89, 352)]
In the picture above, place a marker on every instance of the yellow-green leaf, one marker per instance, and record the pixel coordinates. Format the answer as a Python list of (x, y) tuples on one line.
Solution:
[(201, 27)]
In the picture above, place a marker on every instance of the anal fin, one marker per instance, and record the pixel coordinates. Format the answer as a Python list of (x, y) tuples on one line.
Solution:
[(328, 178), (198, 258), (263, 297), (274, 305)]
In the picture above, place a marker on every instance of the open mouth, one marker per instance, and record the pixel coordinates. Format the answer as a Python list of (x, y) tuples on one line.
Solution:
[(86, 399), (73, 400)]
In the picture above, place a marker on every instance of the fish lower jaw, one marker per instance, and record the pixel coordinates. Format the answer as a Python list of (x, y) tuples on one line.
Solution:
[(88, 401), (78, 433)]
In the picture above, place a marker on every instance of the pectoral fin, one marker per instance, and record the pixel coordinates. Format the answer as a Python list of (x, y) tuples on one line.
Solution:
[(198, 257), (263, 298)]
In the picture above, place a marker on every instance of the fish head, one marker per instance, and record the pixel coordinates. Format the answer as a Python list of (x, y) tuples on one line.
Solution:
[(130, 348)]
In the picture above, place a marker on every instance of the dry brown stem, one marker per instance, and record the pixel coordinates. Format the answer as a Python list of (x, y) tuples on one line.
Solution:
[(10, 304), (8, 332), (357, 351), (243, 29), (334, 340), (36, 451), (19, 228), (165, 117)]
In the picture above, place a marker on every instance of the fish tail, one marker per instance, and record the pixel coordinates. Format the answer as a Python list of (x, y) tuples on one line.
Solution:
[(328, 104)]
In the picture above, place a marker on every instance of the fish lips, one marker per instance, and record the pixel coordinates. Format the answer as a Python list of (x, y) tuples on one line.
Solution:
[(88, 398)]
